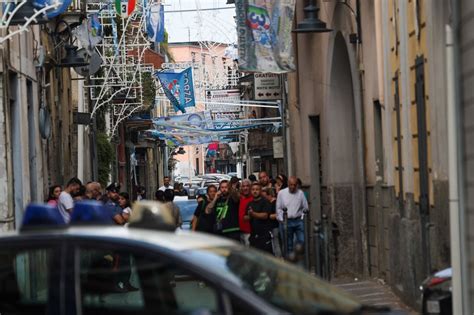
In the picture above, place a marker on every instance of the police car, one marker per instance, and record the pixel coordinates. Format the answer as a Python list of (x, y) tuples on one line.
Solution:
[(90, 267)]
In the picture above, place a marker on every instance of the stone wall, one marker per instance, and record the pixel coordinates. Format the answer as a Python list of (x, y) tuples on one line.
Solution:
[(395, 243)]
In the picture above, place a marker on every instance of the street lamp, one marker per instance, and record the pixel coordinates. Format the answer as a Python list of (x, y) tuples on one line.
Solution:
[(312, 23), (72, 59), (63, 33)]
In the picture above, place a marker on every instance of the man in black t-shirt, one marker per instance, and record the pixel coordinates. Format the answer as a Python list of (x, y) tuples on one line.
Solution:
[(226, 209), (269, 194), (202, 221), (258, 213)]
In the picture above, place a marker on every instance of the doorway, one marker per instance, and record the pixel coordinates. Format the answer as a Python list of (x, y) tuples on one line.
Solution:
[(15, 145), (342, 169)]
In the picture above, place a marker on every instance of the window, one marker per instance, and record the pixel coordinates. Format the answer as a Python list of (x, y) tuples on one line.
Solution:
[(25, 280), (119, 282)]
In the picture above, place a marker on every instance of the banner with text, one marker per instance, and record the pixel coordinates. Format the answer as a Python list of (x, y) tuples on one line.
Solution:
[(178, 88), (264, 35)]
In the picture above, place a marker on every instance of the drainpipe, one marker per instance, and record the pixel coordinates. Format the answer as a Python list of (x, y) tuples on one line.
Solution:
[(80, 130), (456, 180), (285, 118)]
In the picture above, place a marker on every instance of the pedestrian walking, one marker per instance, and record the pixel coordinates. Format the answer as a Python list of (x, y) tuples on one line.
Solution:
[(53, 195), (160, 196), (294, 201), (281, 183), (235, 183), (182, 191), (245, 198), (80, 194), (269, 194), (125, 204), (176, 190), (141, 193), (202, 221), (110, 201), (166, 183), (258, 213), (252, 178), (226, 208), (175, 211), (65, 201), (93, 191), (264, 180)]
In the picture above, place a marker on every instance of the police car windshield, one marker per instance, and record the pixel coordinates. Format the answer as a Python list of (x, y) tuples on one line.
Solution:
[(284, 286)]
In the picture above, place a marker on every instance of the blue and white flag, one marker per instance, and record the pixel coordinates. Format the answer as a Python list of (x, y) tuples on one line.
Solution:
[(179, 88), (61, 6), (115, 37), (155, 23)]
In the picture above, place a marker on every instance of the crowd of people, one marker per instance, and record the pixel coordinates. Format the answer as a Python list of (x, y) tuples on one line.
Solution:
[(118, 203), (252, 211)]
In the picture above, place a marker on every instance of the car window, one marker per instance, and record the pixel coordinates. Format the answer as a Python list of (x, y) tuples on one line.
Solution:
[(25, 280), (284, 286), (121, 282)]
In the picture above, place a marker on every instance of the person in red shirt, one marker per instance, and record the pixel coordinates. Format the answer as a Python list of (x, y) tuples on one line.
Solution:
[(245, 198)]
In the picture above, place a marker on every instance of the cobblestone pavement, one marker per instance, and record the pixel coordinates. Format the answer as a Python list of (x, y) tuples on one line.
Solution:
[(373, 292)]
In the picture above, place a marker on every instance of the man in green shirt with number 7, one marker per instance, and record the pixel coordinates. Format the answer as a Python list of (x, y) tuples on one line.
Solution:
[(226, 208)]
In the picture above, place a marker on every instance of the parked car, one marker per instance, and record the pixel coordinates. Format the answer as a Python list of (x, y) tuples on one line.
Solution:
[(437, 293), (218, 177), (187, 205), (181, 179), (149, 269)]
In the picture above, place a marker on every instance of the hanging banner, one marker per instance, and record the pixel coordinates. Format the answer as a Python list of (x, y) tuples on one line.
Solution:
[(89, 33), (264, 35), (115, 37), (155, 23), (178, 88), (188, 129)]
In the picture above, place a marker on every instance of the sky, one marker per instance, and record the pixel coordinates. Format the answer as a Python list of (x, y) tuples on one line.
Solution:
[(217, 26)]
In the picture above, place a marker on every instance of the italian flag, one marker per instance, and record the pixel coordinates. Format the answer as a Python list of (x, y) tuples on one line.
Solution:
[(130, 6)]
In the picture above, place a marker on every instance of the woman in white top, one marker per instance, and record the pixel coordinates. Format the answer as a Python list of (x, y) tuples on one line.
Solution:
[(124, 202)]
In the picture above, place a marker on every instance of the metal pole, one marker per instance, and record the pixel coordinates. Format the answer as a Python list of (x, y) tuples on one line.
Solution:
[(93, 148), (317, 248), (326, 235), (285, 232), (307, 232)]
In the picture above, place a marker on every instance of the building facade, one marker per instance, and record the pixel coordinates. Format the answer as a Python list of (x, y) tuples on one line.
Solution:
[(38, 139), (368, 136)]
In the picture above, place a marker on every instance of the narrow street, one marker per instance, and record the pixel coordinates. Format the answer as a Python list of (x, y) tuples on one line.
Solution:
[(373, 292), (335, 134)]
